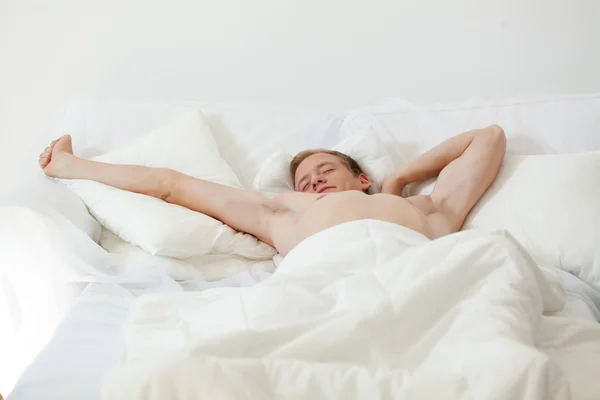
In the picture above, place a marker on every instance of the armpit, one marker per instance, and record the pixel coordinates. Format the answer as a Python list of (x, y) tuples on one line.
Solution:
[(276, 207)]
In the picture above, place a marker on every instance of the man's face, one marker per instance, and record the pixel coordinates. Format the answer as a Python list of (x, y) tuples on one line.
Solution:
[(326, 173)]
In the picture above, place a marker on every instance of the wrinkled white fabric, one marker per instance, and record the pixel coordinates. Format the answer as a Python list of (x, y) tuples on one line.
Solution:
[(366, 309), (45, 260)]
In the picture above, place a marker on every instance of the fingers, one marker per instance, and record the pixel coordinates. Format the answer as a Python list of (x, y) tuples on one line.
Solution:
[(46, 155), (43, 161), (48, 150), (44, 158)]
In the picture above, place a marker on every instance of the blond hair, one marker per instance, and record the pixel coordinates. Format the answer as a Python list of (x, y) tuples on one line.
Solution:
[(348, 161)]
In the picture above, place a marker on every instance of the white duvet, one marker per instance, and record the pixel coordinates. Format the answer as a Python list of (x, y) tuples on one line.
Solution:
[(367, 310)]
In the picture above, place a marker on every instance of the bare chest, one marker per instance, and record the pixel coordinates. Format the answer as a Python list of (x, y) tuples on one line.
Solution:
[(313, 213)]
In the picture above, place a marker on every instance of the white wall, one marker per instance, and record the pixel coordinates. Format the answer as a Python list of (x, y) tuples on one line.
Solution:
[(310, 53)]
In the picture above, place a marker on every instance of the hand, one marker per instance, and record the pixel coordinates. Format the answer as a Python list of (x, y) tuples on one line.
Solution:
[(393, 184), (55, 158)]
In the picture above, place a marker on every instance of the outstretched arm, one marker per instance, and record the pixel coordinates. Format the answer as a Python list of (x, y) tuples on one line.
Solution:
[(465, 166), (242, 210)]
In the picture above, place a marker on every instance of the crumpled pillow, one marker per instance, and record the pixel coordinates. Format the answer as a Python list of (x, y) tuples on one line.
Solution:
[(185, 144)]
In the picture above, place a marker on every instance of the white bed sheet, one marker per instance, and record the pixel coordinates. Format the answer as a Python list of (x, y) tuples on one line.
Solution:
[(88, 341), (85, 343)]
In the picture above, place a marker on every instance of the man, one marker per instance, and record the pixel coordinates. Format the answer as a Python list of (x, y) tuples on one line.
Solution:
[(330, 189)]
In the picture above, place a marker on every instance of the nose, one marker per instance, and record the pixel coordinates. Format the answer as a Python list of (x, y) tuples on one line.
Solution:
[(318, 181)]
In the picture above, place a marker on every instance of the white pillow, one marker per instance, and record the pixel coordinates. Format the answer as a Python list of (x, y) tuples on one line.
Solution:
[(364, 146), (551, 205), (185, 144)]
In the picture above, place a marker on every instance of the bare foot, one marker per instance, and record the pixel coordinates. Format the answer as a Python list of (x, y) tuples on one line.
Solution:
[(55, 158)]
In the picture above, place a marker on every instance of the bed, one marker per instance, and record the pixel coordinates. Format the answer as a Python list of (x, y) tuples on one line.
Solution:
[(88, 342), (83, 340)]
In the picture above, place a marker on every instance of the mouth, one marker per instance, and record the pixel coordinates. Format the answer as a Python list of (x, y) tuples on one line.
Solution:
[(324, 188)]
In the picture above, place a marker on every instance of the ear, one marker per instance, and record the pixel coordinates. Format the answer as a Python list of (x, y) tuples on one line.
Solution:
[(365, 182)]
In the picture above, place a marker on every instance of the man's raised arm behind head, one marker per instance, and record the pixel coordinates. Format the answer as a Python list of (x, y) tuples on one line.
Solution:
[(465, 166), (242, 210)]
